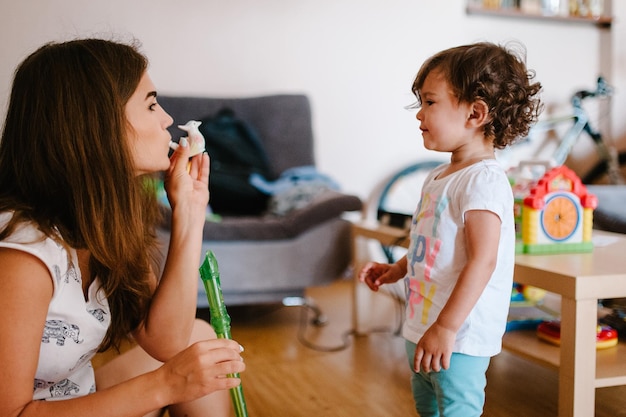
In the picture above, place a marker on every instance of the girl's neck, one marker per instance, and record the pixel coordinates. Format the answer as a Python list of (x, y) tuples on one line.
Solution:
[(460, 160), (469, 159)]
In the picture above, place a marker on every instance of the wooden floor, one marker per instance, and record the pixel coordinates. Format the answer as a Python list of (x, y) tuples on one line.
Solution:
[(370, 376)]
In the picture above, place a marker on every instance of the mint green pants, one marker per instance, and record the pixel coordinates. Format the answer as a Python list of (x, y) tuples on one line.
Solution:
[(458, 391)]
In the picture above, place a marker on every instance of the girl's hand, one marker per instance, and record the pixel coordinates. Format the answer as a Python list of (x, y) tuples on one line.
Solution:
[(201, 369), (187, 181), (375, 274), (434, 349)]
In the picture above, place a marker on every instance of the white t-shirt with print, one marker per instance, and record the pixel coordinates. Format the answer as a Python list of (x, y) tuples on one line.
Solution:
[(437, 254), (75, 326)]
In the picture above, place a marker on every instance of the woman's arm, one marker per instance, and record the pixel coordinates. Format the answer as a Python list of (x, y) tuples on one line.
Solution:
[(482, 237), (25, 292), (168, 326)]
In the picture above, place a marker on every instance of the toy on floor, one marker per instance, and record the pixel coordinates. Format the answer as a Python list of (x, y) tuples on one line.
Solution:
[(527, 310), (555, 215), (220, 320), (526, 294), (550, 331), (613, 313)]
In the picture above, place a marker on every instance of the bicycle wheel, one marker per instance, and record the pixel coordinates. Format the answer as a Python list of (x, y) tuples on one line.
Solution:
[(599, 173), (399, 198)]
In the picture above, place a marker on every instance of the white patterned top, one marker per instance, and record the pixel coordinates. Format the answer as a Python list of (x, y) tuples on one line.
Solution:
[(437, 255), (75, 326)]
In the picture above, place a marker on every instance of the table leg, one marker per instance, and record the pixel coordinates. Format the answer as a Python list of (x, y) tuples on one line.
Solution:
[(577, 371), (361, 297), (355, 284), (386, 235)]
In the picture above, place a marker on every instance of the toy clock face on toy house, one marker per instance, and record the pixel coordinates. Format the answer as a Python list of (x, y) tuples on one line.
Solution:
[(561, 218), (557, 215)]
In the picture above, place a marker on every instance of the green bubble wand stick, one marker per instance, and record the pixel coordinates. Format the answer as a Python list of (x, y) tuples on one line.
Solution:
[(220, 320)]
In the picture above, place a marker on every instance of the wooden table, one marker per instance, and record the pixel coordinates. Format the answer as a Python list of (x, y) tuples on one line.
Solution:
[(580, 279)]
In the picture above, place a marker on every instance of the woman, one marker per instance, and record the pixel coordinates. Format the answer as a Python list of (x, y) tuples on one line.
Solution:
[(78, 247)]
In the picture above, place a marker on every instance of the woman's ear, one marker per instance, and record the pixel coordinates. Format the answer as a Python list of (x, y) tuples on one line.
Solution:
[(479, 113)]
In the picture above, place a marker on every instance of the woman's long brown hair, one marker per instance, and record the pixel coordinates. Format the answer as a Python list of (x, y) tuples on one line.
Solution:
[(66, 166)]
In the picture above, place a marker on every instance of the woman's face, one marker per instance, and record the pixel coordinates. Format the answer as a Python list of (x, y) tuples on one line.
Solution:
[(147, 134)]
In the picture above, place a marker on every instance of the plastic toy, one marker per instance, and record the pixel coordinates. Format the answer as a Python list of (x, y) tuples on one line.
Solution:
[(197, 144), (220, 320), (527, 294), (527, 310), (533, 294), (550, 331), (556, 214)]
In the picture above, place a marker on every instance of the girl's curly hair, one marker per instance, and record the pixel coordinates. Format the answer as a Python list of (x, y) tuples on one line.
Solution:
[(496, 75)]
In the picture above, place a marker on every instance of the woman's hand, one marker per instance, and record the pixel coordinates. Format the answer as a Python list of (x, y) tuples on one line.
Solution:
[(201, 369), (187, 181)]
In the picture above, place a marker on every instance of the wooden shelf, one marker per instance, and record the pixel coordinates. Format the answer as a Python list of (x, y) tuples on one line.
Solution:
[(610, 364), (602, 21)]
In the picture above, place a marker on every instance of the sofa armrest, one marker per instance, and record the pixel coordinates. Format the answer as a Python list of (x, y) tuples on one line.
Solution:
[(609, 215), (324, 207)]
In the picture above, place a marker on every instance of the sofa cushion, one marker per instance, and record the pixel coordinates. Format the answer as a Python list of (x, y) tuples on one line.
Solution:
[(236, 153)]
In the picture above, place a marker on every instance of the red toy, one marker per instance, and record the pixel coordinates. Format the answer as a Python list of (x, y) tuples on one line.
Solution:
[(550, 331)]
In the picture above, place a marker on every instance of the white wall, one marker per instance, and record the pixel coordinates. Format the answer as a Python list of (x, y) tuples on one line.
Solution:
[(355, 59)]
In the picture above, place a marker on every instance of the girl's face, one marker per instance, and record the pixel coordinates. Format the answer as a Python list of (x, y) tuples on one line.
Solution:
[(147, 133), (443, 120)]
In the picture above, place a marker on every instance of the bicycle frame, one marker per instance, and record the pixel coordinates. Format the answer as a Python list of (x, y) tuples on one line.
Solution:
[(580, 123)]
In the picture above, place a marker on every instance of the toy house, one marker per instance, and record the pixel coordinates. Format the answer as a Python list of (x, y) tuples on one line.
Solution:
[(557, 214)]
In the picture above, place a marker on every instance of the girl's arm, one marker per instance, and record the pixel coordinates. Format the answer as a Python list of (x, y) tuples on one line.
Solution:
[(25, 292), (375, 274), (482, 237), (168, 326)]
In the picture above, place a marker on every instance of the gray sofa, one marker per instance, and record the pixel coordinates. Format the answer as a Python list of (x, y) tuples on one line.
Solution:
[(270, 258), (610, 214)]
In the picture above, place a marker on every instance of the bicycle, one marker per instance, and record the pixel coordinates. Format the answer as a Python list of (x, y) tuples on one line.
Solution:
[(398, 198), (564, 132)]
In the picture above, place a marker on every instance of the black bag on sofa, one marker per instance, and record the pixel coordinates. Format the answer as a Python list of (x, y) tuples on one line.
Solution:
[(236, 152)]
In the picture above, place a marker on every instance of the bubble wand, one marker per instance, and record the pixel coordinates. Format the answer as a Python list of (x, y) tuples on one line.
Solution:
[(220, 320)]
